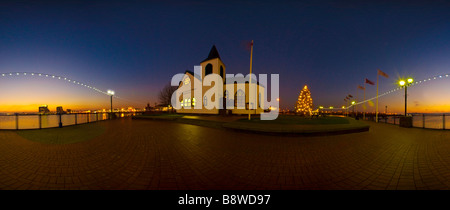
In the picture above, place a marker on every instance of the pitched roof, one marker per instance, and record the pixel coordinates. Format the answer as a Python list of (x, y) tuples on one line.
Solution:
[(212, 54), (193, 74)]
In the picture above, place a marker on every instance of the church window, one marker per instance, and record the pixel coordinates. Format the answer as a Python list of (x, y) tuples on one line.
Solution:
[(208, 69), (240, 99), (187, 80), (259, 100)]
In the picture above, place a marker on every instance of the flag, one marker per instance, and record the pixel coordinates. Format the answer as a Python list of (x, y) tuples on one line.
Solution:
[(350, 96), (247, 45), (382, 73), (369, 82), (360, 87)]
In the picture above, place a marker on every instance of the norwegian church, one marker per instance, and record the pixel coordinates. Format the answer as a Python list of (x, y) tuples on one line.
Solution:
[(243, 103)]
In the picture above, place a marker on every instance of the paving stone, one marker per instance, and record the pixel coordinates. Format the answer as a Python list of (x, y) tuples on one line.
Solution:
[(140, 154)]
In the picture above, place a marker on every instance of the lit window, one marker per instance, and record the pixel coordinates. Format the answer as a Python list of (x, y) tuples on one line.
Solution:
[(259, 100), (187, 80), (188, 102), (193, 101), (227, 100), (240, 99)]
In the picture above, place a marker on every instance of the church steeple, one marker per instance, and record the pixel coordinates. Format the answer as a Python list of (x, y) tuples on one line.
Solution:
[(212, 54), (213, 64)]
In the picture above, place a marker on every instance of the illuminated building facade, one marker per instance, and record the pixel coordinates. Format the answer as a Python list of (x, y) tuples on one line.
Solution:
[(243, 102)]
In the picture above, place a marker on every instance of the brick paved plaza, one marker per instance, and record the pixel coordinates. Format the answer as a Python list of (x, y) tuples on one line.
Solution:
[(141, 154)]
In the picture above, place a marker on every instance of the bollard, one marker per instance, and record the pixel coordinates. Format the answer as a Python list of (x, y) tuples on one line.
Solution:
[(60, 120), (76, 119), (17, 121), (40, 121), (443, 121), (423, 120)]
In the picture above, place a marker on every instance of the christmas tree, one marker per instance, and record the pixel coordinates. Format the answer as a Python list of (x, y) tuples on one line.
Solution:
[(304, 102)]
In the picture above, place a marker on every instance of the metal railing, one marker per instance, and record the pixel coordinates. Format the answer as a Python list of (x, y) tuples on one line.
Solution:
[(40, 121), (422, 120)]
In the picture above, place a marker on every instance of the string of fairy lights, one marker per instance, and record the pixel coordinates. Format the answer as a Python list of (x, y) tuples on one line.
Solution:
[(62, 78), (399, 88)]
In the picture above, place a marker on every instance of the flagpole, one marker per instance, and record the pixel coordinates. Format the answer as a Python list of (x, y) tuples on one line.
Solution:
[(345, 112), (364, 103), (376, 112), (250, 82), (347, 108)]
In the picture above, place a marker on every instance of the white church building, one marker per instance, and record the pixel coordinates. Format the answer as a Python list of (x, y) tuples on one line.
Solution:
[(234, 96)]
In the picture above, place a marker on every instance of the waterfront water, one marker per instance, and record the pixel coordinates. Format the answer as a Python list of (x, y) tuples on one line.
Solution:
[(50, 121), (433, 121)]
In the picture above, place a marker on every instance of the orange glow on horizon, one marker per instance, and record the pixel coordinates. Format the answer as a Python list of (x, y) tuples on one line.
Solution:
[(26, 95)]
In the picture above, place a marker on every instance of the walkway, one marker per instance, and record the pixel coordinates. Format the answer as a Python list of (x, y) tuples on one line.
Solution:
[(145, 154)]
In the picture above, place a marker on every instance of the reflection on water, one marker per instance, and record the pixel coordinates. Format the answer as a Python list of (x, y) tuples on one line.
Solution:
[(51, 121)]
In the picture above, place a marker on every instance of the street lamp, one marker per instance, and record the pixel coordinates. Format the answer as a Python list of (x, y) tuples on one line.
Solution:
[(405, 84), (353, 104), (111, 93)]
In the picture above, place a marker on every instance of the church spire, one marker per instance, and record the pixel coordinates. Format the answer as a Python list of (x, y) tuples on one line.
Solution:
[(212, 54)]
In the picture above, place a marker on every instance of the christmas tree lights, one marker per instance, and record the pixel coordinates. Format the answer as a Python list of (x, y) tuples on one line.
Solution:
[(304, 103)]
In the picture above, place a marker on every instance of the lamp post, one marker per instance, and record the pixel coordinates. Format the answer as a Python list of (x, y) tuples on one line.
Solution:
[(353, 104), (111, 93), (279, 107), (405, 84)]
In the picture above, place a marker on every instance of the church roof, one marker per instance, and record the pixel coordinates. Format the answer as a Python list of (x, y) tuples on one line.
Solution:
[(193, 74), (212, 54)]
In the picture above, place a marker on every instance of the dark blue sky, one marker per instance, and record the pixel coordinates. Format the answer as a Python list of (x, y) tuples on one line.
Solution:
[(135, 47)]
